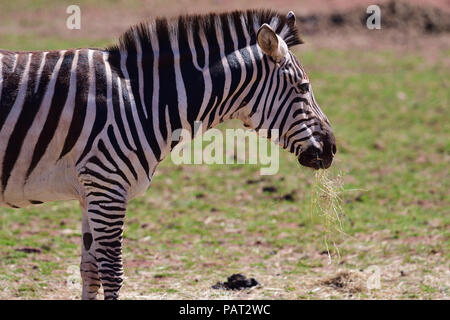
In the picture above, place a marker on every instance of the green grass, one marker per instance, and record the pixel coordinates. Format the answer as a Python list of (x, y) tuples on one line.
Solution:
[(28, 42), (198, 224)]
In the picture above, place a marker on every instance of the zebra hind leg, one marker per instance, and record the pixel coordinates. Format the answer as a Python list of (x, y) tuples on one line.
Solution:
[(106, 213), (88, 266)]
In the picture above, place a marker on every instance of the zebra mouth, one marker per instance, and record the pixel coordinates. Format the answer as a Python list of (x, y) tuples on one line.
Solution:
[(320, 158), (314, 163), (314, 158)]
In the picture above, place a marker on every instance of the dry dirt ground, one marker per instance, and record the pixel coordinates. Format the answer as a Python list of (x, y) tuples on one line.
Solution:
[(108, 19)]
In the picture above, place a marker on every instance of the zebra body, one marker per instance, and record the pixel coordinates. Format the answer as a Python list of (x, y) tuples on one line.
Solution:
[(93, 125), (58, 124)]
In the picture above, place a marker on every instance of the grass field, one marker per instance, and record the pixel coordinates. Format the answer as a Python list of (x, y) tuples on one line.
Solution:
[(198, 224)]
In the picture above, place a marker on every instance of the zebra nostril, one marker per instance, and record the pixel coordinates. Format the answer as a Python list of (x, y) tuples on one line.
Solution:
[(334, 149)]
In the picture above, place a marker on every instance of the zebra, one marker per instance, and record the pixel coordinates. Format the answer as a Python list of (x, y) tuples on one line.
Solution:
[(93, 124)]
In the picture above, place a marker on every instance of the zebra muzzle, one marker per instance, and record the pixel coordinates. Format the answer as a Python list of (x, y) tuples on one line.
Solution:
[(316, 158)]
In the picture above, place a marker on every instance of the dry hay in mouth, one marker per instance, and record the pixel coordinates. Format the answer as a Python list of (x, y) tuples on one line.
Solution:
[(326, 203)]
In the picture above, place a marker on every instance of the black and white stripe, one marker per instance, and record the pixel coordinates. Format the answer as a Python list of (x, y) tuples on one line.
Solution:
[(93, 124)]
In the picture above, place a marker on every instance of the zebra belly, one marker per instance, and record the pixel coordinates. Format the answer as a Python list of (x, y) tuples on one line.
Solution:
[(48, 183)]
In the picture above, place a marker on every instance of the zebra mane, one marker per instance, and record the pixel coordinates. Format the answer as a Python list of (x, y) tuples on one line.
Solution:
[(207, 23)]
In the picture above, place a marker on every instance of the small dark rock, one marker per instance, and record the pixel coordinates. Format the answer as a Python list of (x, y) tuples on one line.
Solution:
[(288, 197), (337, 19), (269, 189), (236, 282)]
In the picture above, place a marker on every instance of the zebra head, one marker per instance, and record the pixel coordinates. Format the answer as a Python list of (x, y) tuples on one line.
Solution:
[(288, 103)]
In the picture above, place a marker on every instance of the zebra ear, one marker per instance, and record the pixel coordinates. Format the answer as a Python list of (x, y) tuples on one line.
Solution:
[(290, 17), (268, 41)]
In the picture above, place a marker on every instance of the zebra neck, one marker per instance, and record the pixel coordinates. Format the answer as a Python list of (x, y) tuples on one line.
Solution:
[(174, 86)]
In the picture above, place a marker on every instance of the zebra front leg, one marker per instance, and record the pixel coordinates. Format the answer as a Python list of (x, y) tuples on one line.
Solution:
[(106, 213), (88, 266)]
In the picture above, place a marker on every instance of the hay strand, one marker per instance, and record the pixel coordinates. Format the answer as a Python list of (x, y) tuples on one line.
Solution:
[(326, 203)]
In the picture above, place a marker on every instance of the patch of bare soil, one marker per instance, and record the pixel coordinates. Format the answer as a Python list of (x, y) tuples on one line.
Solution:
[(347, 282), (29, 250), (413, 25), (422, 28)]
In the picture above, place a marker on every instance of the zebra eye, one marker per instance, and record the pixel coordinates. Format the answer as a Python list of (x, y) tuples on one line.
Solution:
[(303, 87)]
